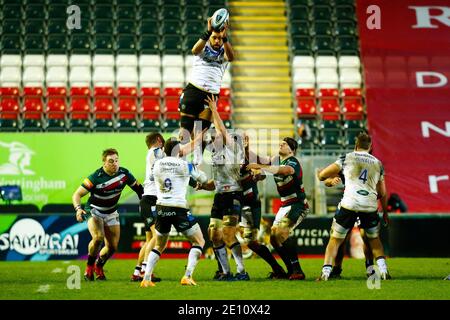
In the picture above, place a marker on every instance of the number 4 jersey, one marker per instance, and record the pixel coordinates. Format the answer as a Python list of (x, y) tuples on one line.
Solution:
[(362, 172), (172, 179)]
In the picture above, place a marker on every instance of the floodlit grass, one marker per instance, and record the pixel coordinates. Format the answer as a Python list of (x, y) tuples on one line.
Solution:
[(413, 278)]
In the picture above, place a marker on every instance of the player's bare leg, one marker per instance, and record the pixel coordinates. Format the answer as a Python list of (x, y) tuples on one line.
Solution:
[(112, 236), (330, 254), (95, 227)]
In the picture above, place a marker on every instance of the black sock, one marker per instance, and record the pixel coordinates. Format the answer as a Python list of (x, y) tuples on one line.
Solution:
[(219, 266), (291, 248), (264, 252), (281, 250), (336, 270), (102, 260), (91, 261), (369, 262)]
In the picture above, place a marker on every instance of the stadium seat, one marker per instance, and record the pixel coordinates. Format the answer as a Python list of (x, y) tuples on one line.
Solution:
[(329, 108), (124, 27), (80, 121), (9, 121), (125, 11), (350, 136), (149, 12), (306, 108), (149, 44), (11, 44), (322, 28), (172, 44), (12, 11), (301, 45), (331, 139), (299, 12), (300, 28), (35, 26), (353, 109), (56, 27), (150, 122)]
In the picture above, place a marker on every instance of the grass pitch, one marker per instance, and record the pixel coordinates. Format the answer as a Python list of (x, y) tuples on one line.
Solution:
[(413, 278)]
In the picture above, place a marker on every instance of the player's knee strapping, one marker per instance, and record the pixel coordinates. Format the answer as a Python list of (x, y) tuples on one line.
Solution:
[(215, 224), (373, 233), (337, 231)]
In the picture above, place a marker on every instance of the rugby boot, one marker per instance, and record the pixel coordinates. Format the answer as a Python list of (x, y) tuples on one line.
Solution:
[(187, 281), (385, 276), (226, 277), (277, 275), (135, 278), (323, 277), (297, 276), (217, 275), (146, 284), (89, 273), (155, 278), (242, 276), (335, 273), (99, 272)]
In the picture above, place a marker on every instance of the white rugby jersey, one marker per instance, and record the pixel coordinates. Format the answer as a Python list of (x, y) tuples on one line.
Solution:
[(227, 168), (153, 154), (362, 172), (172, 180), (208, 68)]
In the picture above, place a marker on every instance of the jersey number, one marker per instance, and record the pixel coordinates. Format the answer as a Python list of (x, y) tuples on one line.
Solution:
[(363, 176)]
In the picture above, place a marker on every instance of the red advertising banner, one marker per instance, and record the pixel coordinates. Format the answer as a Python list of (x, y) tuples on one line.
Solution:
[(405, 51)]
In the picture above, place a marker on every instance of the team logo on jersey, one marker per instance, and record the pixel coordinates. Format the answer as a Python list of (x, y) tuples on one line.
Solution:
[(362, 192)]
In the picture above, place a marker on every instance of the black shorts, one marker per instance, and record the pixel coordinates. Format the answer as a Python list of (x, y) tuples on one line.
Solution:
[(192, 102), (148, 214), (227, 204), (178, 217), (347, 218)]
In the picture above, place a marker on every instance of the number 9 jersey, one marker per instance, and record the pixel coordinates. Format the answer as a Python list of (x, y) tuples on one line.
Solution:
[(362, 172), (172, 179)]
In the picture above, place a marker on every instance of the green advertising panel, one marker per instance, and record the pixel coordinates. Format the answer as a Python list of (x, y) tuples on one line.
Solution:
[(49, 167)]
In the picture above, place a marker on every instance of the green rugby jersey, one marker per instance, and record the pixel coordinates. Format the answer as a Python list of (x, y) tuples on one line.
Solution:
[(105, 189), (291, 187)]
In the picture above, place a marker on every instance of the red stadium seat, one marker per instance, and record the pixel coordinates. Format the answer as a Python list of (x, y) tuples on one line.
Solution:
[(127, 105), (103, 92), (171, 104), (80, 91), (56, 104), (104, 104), (351, 92), (151, 105), (33, 91), (172, 92), (32, 104), (9, 104), (80, 115), (329, 108), (150, 92), (306, 108), (353, 109), (173, 115), (56, 91), (328, 93), (224, 105), (305, 93), (9, 91), (80, 104), (127, 92), (56, 115), (225, 92), (151, 116)]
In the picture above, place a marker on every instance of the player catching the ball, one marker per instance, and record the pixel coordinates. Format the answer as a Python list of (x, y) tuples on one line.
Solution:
[(212, 53)]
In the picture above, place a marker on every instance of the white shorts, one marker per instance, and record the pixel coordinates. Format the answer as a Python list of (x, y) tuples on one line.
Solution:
[(111, 219)]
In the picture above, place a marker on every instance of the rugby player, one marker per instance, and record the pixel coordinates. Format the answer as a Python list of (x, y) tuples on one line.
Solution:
[(294, 208), (364, 184), (105, 186)]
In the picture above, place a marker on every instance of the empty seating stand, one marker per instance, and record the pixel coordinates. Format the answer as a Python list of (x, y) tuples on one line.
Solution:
[(109, 75)]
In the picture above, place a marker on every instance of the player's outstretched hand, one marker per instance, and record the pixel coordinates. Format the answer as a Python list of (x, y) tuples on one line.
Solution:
[(212, 102), (253, 166)]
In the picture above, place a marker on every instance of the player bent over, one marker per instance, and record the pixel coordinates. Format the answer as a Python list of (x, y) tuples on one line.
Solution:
[(172, 175), (294, 206), (105, 186)]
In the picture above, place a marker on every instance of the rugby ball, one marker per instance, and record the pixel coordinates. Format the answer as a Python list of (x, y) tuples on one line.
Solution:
[(219, 18)]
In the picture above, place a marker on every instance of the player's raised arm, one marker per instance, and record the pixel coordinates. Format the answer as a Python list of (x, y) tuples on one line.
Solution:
[(229, 52), (200, 44), (218, 123), (329, 172)]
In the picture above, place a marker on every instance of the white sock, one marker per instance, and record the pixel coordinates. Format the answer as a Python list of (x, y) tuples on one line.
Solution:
[(137, 270), (144, 265), (153, 259), (381, 262), (236, 250), (194, 255), (222, 256), (326, 269)]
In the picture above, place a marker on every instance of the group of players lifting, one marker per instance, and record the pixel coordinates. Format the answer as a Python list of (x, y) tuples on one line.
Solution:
[(236, 170)]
